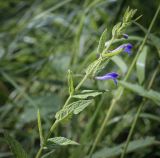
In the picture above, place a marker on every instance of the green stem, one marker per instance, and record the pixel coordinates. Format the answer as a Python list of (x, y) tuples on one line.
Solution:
[(132, 129), (67, 101), (137, 115), (39, 152), (114, 101), (81, 82)]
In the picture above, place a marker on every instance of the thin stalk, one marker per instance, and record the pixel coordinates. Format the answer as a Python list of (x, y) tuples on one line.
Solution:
[(137, 115), (81, 82), (114, 101), (67, 101), (39, 152)]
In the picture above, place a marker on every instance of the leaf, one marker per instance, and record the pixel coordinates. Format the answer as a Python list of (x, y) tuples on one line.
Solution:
[(150, 94), (115, 29), (141, 62), (102, 41), (93, 67), (40, 127), (81, 105), (16, 147), (62, 141), (133, 145), (64, 113), (129, 14), (88, 93), (73, 108), (70, 82), (120, 63)]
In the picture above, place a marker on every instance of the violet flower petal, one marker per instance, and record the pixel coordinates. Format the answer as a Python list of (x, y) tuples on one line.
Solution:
[(112, 75)]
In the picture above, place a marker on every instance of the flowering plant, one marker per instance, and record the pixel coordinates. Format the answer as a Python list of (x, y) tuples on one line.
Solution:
[(71, 108)]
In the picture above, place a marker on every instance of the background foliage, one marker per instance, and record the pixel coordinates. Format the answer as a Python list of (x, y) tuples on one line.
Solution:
[(41, 40)]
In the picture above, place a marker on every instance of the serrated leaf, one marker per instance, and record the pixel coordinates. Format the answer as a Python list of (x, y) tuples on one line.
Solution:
[(78, 107), (133, 145), (91, 69), (140, 65), (16, 147), (70, 82), (73, 108), (64, 113), (40, 127), (150, 94), (62, 141), (102, 41), (129, 14), (115, 29)]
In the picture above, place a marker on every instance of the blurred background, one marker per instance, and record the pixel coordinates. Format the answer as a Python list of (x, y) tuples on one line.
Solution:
[(41, 40)]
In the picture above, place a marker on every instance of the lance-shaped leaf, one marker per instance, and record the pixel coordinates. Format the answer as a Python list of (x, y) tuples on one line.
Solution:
[(61, 141), (102, 41), (133, 146), (15, 146), (150, 94), (87, 94), (141, 62)]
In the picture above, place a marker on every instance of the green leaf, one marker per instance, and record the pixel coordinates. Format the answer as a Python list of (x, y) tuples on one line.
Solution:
[(92, 68), (81, 105), (40, 127), (64, 113), (62, 141), (102, 41), (73, 108), (150, 94), (128, 15), (16, 147), (141, 62), (70, 82), (115, 29), (88, 93), (120, 63), (133, 145)]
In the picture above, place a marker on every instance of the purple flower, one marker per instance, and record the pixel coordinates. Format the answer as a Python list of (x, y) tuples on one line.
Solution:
[(126, 48), (108, 76), (125, 36)]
